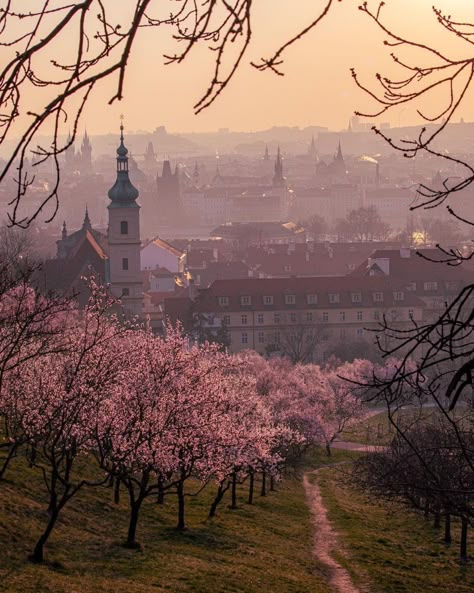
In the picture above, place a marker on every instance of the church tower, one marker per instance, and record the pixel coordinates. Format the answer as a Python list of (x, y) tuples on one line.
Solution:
[(278, 179), (124, 237)]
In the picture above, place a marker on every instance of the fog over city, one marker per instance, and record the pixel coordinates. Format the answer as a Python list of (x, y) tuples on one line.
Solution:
[(236, 296)]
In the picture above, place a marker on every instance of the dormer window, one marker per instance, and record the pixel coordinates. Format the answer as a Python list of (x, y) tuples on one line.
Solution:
[(245, 300), (430, 286), (378, 297), (334, 297), (290, 299), (223, 301), (312, 299), (398, 296), (356, 297), (268, 300)]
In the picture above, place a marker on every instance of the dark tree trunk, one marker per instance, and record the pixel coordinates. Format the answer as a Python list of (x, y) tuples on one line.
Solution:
[(132, 525), (38, 552), (110, 483), (463, 549), (272, 484), (160, 496), (251, 486), (11, 453), (180, 491), (221, 490), (117, 490), (328, 449), (264, 484), (447, 528), (233, 504)]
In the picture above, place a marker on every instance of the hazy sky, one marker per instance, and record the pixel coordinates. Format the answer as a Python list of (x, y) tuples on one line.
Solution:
[(317, 88)]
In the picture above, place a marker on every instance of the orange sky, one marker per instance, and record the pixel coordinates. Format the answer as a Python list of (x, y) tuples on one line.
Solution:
[(317, 88)]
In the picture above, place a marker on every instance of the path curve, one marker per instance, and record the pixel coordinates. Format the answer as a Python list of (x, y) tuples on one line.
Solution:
[(325, 538)]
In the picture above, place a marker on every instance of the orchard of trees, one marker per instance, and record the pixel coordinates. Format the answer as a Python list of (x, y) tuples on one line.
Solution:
[(91, 400)]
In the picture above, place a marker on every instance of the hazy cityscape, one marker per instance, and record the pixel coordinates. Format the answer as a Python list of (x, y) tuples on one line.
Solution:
[(235, 361)]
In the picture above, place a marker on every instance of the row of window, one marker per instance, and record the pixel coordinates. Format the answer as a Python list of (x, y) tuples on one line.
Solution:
[(311, 299), (275, 337), (309, 316)]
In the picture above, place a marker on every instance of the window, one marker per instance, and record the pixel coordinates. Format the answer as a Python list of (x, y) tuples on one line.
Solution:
[(125, 292), (260, 318), (342, 315), (245, 300), (411, 286), (223, 301), (398, 296), (244, 338), (376, 315), (378, 297), (226, 320), (325, 316), (430, 286), (124, 263), (309, 316), (276, 318), (293, 318), (359, 333), (356, 297), (312, 299), (261, 337), (268, 300), (452, 285), (290, 299), (123, 227), (287, 268), (333, 297), (394, 315), (244, 320), (359, 315)]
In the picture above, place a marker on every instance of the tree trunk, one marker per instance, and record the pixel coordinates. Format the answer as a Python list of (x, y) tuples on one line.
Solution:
[(463, 549), (447, 528), (37, 555), (11, 453), (221, 490), (160, 496), (264, 484), (117, 490), (132, 525), (251, 486), (180, 491), (233, 504), (328, 449)]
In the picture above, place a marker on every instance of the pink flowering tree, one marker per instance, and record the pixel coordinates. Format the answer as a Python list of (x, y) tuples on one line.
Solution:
[(52, 402)]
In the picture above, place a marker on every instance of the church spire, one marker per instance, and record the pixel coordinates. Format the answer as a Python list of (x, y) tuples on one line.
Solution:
[(86, 225), (122, 193), (278, 178)]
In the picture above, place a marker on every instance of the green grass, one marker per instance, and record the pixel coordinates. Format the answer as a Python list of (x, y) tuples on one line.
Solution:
[(264, 547), (392, 548)]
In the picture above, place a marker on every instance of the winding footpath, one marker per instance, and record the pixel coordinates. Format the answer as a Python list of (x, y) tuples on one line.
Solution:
[(325, 538)]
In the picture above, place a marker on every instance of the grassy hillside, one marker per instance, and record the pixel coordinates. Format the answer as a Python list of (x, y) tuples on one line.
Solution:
[(394, 549), (265, 547)]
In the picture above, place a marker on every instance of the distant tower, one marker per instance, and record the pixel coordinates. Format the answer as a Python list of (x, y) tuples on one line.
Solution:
[(124, 237), (266, 156), (278, 179), (64, 232), (86, 224), (169, 194), (86, 154), (150, 157), (312, 150), (338, 164)]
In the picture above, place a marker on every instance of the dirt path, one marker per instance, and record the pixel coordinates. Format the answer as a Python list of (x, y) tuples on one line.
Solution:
[(325, 539)]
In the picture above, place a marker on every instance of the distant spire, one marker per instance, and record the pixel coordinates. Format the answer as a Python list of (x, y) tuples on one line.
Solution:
[(87, 223), (278, 178), (64, 232), (266, 156), (339, 156)]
